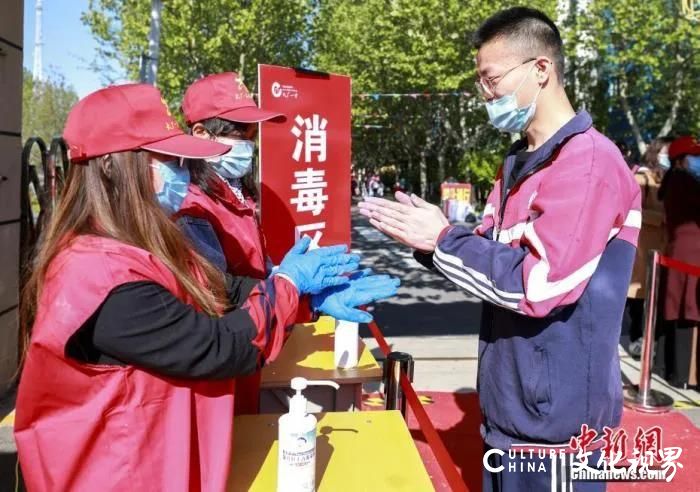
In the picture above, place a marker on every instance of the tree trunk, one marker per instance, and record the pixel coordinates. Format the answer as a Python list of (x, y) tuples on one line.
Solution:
[(423, 170), (441, 163), (241, 66), (444, 142), (677, 95), (149, 73), (641, 144)]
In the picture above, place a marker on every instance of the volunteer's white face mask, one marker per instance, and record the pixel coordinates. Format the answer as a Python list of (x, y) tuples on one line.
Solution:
[(237, 162)]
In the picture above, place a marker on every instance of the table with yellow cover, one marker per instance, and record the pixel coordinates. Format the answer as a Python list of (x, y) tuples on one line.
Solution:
[(308, 353), (355, 451)]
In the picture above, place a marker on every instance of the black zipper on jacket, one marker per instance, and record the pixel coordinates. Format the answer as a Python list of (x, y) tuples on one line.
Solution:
[(504, 198)]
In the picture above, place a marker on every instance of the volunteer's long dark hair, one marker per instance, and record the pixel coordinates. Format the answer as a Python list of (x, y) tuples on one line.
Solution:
[(201, 172), (113, 196)]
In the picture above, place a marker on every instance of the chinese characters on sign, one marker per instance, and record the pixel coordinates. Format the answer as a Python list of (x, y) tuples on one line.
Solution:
[(305, 159), (310, 185), (314, 131)]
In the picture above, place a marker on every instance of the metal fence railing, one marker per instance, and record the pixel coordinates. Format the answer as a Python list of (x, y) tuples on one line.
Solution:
[(46, 184)]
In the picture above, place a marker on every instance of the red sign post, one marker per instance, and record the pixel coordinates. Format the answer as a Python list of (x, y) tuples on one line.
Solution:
[(304, 159)]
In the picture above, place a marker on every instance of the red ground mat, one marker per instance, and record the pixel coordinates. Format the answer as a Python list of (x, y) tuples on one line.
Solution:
[(456, 417)]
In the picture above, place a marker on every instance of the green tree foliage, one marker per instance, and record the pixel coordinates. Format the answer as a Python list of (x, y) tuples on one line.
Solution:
[(45, 106), (406, 46), (636, 66), (633, 65), (200, 37)]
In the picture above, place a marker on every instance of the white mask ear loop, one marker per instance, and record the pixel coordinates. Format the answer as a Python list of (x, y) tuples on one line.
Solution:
[(521, 84), (524, 79), (536, 95), (533, 104)]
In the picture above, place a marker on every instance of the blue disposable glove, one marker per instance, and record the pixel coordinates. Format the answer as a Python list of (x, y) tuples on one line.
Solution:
[(363, 288), (313, 271)]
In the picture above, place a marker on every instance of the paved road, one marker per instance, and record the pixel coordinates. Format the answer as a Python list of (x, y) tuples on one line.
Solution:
[(426, 304)]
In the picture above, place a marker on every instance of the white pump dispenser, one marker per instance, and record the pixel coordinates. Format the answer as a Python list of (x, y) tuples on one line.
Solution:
[(296, 463)]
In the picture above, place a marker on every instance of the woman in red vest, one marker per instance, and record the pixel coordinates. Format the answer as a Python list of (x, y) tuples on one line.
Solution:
[(220, 108), (128, 381)]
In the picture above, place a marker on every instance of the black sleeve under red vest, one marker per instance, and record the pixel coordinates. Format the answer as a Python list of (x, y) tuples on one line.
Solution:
[(144, 325)]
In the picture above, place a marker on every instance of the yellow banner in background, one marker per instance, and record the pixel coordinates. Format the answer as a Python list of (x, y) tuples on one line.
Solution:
[(461, 192)]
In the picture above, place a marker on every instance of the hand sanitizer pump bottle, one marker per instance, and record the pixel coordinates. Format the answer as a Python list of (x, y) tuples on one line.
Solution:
[(296, 463)]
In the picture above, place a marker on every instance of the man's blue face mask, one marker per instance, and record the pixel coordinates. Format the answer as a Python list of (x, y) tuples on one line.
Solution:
[(504, 113), (176, 180)]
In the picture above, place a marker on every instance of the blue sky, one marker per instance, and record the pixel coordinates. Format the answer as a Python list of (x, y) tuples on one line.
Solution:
[(68, 45)]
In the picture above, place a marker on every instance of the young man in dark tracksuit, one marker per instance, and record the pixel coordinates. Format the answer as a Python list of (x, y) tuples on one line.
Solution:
[(552, 258)]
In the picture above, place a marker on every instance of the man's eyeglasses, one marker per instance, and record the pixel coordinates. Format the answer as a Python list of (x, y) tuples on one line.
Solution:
[(487, 86)]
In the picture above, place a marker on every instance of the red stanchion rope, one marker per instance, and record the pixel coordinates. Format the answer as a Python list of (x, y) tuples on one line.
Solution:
[(686, 268), (436, 445)]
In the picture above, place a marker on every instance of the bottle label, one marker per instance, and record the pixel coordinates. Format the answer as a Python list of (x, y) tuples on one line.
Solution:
[(297, 461)]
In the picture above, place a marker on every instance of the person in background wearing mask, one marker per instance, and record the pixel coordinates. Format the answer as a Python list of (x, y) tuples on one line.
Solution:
[(222, 196), (552, 259), (680, 193), (655, 163), (128, 380)]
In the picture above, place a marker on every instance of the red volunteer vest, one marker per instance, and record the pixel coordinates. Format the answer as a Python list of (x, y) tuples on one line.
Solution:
[(241, 238), (95, 427), (239, 233), (236, 227)]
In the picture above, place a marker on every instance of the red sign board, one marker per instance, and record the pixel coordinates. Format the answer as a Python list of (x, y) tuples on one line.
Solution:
[(305, 158)]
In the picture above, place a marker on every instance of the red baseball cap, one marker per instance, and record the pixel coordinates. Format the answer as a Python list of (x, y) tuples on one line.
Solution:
[(683, 146), (130, 117), (222, 95)]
